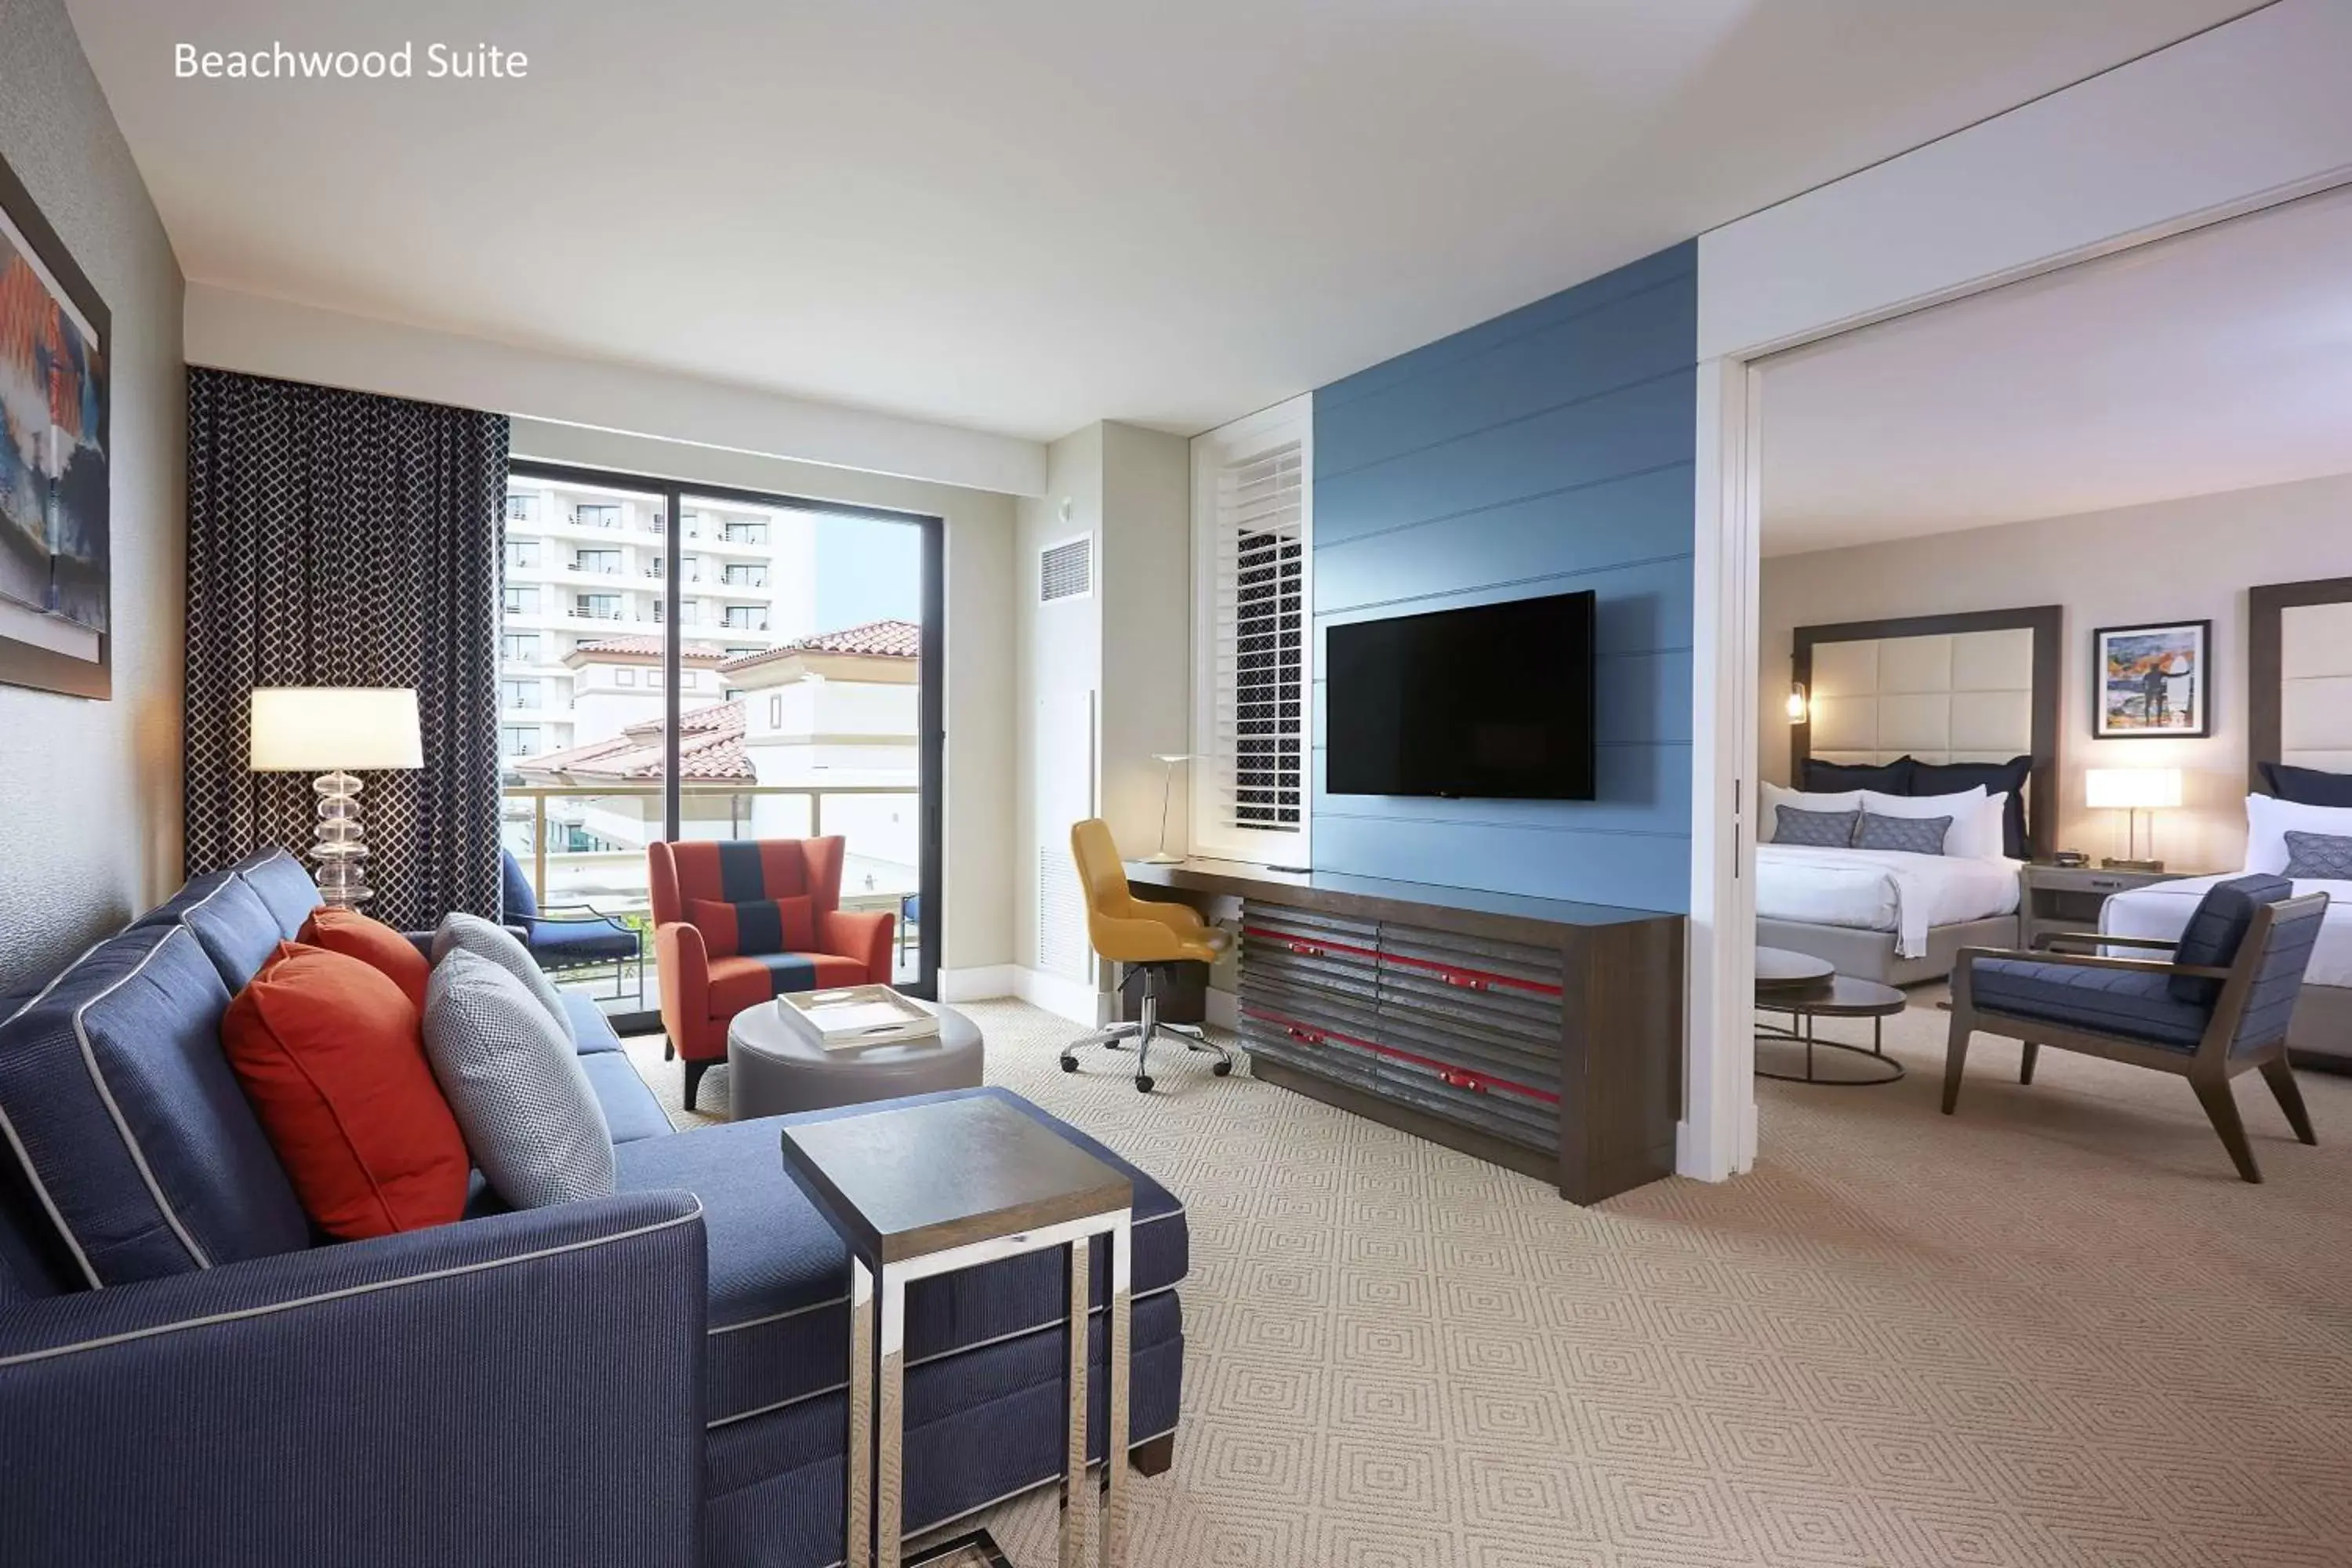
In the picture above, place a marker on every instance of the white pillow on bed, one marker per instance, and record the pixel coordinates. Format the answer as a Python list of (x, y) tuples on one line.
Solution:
[(1775, 797), (1976, 831), (2269, 820)]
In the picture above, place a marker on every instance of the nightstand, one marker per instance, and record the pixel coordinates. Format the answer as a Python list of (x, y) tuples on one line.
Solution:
[(2067, 898)]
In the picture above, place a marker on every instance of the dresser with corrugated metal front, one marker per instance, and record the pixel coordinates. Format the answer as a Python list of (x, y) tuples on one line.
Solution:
[(1538, 1033)]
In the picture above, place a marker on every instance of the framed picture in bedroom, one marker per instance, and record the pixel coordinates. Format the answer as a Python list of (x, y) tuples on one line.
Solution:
[(2153, 680), (55, 570)]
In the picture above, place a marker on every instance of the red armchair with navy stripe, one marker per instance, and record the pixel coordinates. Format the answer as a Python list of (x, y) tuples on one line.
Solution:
[(740, 921)]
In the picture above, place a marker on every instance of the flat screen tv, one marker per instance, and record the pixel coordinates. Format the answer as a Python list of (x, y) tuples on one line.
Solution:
[(1492, 702)]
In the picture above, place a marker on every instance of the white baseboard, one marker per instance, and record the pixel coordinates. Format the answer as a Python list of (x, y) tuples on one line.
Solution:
[(1075, 1000), (979, 984)]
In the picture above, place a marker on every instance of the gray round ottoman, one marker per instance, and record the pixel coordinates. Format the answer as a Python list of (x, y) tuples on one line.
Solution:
[(773, 1068)]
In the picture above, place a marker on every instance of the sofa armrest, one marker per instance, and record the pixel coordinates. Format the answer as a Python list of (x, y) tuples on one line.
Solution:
[(683, 960), (422, 941), (862, 934), (523, 1389)]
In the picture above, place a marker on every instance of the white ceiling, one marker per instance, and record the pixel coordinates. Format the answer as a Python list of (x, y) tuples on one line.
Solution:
[(1023, 215), (2213, 362)]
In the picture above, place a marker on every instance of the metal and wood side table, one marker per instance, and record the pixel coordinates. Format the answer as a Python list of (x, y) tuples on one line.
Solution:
[(2066, 901), (923, 1190), (1803, 988)]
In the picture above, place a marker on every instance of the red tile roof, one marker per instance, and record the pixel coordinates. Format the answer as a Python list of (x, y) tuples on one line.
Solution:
[(649, 647), (711, 747), (875, 639)]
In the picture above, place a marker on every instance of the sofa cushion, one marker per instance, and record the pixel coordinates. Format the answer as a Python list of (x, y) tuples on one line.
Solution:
[(779, 1315), (631, 1111), (373, 943), (133, 1128), (753, 978), (284, 886), (515, 1081), (328, 1050), (592, 1032), (231, 923), (2134, 1002), (2216, 928), (489, 939)]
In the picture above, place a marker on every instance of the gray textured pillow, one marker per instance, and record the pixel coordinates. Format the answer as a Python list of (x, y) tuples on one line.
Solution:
[(1911, 835), (2319, 857), (1817, 829), (522, 1098), (486, 939)]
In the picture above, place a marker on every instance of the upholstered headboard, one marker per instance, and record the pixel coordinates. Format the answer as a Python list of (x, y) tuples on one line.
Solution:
[(2299, 676), (1977, 687)]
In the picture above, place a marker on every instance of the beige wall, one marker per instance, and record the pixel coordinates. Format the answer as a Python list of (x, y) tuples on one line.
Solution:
[(1147, 632), (981, 588), (1060, 663), (2183, 560), (92, 790)]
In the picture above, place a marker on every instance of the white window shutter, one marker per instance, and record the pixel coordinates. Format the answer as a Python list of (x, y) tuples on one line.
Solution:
[(1253, 507)]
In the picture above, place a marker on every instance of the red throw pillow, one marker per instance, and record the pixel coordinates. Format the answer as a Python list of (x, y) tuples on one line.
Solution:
[(332, 1057), (373, 943), (760, 925)]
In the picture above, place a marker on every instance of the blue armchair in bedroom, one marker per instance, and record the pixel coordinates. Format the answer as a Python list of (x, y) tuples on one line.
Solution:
[(2218, 1008), (567, 939)]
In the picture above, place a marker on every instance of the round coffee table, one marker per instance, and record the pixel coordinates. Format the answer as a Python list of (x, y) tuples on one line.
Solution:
[(773, 1068), (1803, 988)]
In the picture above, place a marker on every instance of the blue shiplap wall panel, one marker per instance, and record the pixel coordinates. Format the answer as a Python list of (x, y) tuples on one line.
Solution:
[(1548, 450)]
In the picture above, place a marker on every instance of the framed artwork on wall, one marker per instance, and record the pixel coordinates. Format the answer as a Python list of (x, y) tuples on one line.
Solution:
[(2153, 680), (56, 567)]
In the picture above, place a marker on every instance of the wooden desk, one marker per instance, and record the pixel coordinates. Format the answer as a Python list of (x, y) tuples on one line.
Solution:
[(1543, 1035)]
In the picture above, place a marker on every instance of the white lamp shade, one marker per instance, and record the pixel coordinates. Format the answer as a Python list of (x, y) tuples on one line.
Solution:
[(319, 729), (2130, 789)]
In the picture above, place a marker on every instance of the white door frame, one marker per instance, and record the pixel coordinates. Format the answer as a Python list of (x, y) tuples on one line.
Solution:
[(2097, 168)]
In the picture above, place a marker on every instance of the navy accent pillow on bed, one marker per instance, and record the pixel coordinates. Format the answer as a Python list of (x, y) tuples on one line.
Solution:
[(1814, 829), (1911, 835), (2321, 857), (2009, 777), (1836, 778), (2306, 786)]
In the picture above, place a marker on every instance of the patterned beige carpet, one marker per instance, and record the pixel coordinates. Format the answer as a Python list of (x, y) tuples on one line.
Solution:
[(2053, 1330)]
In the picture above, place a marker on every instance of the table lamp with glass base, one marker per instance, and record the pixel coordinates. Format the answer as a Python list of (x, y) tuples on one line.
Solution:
[(1161, 857), (2132, 791), (331, 730)]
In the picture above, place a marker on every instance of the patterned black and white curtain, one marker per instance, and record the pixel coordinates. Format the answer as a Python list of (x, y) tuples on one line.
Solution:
[(342, 539)]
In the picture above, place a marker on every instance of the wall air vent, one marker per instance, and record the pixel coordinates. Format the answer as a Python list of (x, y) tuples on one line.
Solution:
[(1067, 571)]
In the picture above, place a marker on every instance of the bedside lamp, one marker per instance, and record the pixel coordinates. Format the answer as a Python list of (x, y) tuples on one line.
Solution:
[(330, 730), (2132, 791)]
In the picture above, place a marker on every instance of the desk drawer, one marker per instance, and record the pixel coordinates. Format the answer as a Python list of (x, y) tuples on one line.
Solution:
[(1310, 1048), (1303, 952), (1455, 1039), (1518, 1111)]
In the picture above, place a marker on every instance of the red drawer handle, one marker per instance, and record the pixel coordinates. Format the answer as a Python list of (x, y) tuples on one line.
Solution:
[(1467, 981), (1465, 1080), (1304, 1036), (1307, 950)]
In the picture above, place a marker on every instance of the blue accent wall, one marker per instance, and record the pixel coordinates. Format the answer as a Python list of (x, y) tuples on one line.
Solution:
[(1545, 451)]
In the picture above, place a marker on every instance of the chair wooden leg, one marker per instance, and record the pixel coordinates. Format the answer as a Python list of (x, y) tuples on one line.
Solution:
[(694, 1072), (1956, 1060), (669, 1049), (2222, 1110), (2025, 1063), (2289, 1094)]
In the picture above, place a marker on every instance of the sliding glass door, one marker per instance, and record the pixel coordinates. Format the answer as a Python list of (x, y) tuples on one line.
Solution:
[(684, 663)]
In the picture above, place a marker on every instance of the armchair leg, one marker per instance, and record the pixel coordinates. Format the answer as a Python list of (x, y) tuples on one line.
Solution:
[(1956, 1060), (670, 1049), (2289, 1094), (2025, 1063), (694, 1072), (2222, 1110)]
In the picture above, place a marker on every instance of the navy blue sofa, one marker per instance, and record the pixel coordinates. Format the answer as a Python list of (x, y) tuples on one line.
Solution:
[(189, 1374)]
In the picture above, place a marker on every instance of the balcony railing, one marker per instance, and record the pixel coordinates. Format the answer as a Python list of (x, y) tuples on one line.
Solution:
[(597, 612)]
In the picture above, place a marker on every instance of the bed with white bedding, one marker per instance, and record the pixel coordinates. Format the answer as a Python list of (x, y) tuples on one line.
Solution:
[(1882, 890), (2162, 911)]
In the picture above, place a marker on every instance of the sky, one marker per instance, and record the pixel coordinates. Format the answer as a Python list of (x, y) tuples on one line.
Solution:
[(867, 570)]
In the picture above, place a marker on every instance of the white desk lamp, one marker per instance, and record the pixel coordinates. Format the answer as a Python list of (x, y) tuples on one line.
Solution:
[(1167, 792), (2132, 791)]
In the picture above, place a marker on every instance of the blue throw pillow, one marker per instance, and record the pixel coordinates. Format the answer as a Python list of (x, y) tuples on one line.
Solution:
[(1814, 829), (1910, 835), (1836, 778), (2306, 786), (2211, 938), (2010, 778), (2322, 857)]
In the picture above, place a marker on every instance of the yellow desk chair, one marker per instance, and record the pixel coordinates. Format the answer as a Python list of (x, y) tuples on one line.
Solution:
[(1144, 935)]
